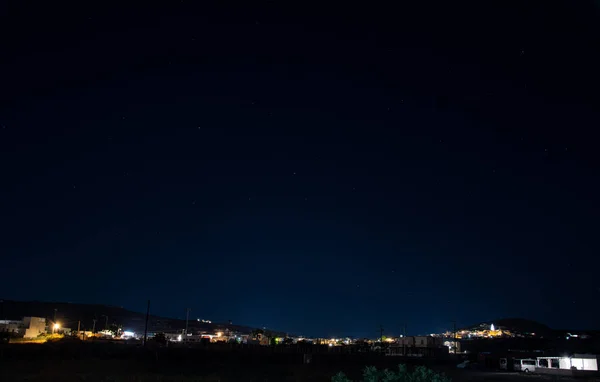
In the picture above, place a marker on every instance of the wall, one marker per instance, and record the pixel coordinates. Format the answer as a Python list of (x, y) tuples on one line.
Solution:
[(584, 363), (406, 341), (564, 363), (34, 326), (590, 364), (421, 341), (11, 326)]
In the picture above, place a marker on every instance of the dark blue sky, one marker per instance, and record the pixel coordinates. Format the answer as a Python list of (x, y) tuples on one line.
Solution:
[(316, 171)]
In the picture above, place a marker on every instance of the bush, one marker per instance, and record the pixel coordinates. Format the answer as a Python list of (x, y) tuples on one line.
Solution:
[(160, 338), (371, 374)]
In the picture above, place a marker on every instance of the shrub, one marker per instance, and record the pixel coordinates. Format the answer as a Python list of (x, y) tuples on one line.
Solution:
[(420, 374)]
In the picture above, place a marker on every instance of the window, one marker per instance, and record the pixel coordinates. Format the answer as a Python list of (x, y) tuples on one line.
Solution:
[(543, 363), (529, 362), (554, 363)]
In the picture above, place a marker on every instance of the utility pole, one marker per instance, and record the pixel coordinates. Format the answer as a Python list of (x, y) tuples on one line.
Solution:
[(454, 322), (404, 341), (146, 327), (381, 337), (454, 334), (94, 326), (78, 327), (55, 315), (187, 318)]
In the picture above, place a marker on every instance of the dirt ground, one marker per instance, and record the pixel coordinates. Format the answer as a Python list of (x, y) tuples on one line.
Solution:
[(97, 363), (109, 371), (503, 376)]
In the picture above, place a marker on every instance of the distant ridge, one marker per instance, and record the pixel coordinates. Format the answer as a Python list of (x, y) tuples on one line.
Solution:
[(72, 314), (516, 325)]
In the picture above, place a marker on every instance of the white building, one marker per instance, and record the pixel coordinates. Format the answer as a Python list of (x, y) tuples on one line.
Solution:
[(28, 327), (11, 326), (34, 326), (586, 362)]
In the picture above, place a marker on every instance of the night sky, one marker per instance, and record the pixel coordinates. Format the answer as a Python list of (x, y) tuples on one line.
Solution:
[(320, 171)]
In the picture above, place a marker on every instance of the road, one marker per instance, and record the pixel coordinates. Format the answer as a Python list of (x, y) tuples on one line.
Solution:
[(503, 376)]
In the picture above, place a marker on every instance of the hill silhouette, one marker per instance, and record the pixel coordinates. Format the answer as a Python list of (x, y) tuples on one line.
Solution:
[(71, 314), (516, 325)]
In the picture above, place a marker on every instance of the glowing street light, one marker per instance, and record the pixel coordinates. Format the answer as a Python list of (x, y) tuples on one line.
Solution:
[(55, 327)]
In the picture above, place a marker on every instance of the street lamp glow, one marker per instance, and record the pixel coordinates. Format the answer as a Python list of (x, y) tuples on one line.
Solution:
[(57, 326)]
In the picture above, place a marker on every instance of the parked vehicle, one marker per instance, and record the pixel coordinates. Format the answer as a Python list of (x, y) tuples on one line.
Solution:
[(527, 365)]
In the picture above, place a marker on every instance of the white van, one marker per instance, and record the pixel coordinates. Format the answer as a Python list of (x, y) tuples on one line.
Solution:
[(527, 365)]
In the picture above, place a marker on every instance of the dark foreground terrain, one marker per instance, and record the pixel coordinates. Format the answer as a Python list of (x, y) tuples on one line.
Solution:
[(110, 362)]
